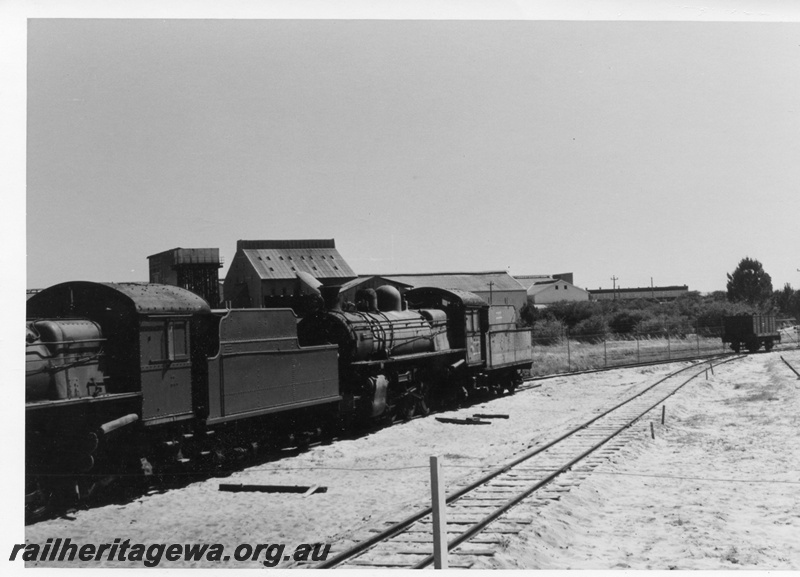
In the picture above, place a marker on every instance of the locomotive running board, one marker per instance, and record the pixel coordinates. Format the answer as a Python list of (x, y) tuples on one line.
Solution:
[(413, 357)]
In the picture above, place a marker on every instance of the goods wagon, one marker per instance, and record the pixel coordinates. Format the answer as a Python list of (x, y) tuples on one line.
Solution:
[(751, 331)]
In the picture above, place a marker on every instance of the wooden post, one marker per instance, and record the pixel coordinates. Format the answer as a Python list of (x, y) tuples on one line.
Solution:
[(569, 367), (669, 347), (663, 413), (652, 431), (439, 504), (697, 334)]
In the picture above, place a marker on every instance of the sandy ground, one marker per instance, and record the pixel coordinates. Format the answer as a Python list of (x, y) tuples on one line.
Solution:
[(718, 488)]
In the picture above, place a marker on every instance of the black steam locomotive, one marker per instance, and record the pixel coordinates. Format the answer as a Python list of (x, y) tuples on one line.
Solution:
[(137, 378)]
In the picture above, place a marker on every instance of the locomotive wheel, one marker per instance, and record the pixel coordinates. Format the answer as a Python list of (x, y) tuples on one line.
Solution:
[(423, 400), (37, 502), (408, 409)]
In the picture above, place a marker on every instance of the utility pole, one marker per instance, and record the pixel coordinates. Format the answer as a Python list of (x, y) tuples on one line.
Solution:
[(614, 292)]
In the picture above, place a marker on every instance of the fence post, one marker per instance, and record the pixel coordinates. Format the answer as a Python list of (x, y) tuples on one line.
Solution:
[(669, 348), (569, 364), (638, 360), (697, 335), (439, 504)]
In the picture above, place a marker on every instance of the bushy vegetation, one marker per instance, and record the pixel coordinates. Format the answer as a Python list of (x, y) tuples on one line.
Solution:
[(590, 321), (748, 291)]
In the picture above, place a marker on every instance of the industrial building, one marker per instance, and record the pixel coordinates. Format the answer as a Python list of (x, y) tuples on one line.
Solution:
[(283, 273), (659, 293), (195, 269)]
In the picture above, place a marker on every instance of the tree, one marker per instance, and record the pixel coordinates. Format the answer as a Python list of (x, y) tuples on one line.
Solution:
[(749, 283), (783, 298)]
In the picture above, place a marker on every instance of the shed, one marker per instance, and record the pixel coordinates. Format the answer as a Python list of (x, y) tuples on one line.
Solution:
[(495, 287), (275, 273), (544, 290), (556, 290)]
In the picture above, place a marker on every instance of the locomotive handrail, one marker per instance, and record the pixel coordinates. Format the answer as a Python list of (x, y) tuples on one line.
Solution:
[(410, 357), (81, 341), (108, 397), (56, 368)]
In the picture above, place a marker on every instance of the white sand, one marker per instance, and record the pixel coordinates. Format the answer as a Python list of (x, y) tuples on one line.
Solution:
[(712, 491)]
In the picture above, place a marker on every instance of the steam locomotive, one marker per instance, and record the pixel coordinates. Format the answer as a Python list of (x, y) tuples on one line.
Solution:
[(143, 379)]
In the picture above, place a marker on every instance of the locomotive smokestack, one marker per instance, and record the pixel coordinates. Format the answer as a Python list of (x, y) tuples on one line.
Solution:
[(330, 295)]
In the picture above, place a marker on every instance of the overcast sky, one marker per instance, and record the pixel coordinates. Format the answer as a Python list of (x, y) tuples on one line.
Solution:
[(663, 150)]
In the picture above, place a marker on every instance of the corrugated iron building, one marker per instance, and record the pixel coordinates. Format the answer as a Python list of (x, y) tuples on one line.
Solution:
[(653, 293), (195, 269), (497, 288), (276, 273)]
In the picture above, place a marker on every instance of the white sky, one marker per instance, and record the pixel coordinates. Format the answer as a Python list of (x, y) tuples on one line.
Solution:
[(629, 138), (636, 149)]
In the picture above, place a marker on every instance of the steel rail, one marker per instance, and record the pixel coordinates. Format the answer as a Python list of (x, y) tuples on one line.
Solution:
[(791, 367), (483, 523), (410, 520)]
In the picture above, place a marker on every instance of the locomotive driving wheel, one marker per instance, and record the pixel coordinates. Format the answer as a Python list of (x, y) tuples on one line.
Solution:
[(37, 501), (423, 398)]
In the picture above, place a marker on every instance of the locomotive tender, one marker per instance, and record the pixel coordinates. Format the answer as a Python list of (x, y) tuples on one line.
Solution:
[(139, 378)]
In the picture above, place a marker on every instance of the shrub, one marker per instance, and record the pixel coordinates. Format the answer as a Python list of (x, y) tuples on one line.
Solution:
[(590, 330), (547, 332), (626, 321), (573, 312)]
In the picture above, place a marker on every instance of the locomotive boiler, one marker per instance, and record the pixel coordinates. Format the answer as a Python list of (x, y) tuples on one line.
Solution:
[(397, 359)]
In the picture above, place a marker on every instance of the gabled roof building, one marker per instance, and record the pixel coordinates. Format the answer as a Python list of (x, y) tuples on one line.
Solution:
[(495, 287), (275, 273), (546, 289)]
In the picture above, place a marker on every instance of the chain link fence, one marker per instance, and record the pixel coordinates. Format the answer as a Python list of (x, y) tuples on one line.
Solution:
[(555, 353)]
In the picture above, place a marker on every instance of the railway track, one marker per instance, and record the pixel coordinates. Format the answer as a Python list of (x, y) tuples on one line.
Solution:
[(479, 516)]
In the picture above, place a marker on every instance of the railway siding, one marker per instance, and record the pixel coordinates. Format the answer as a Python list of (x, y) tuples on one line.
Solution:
[(530, 476)]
